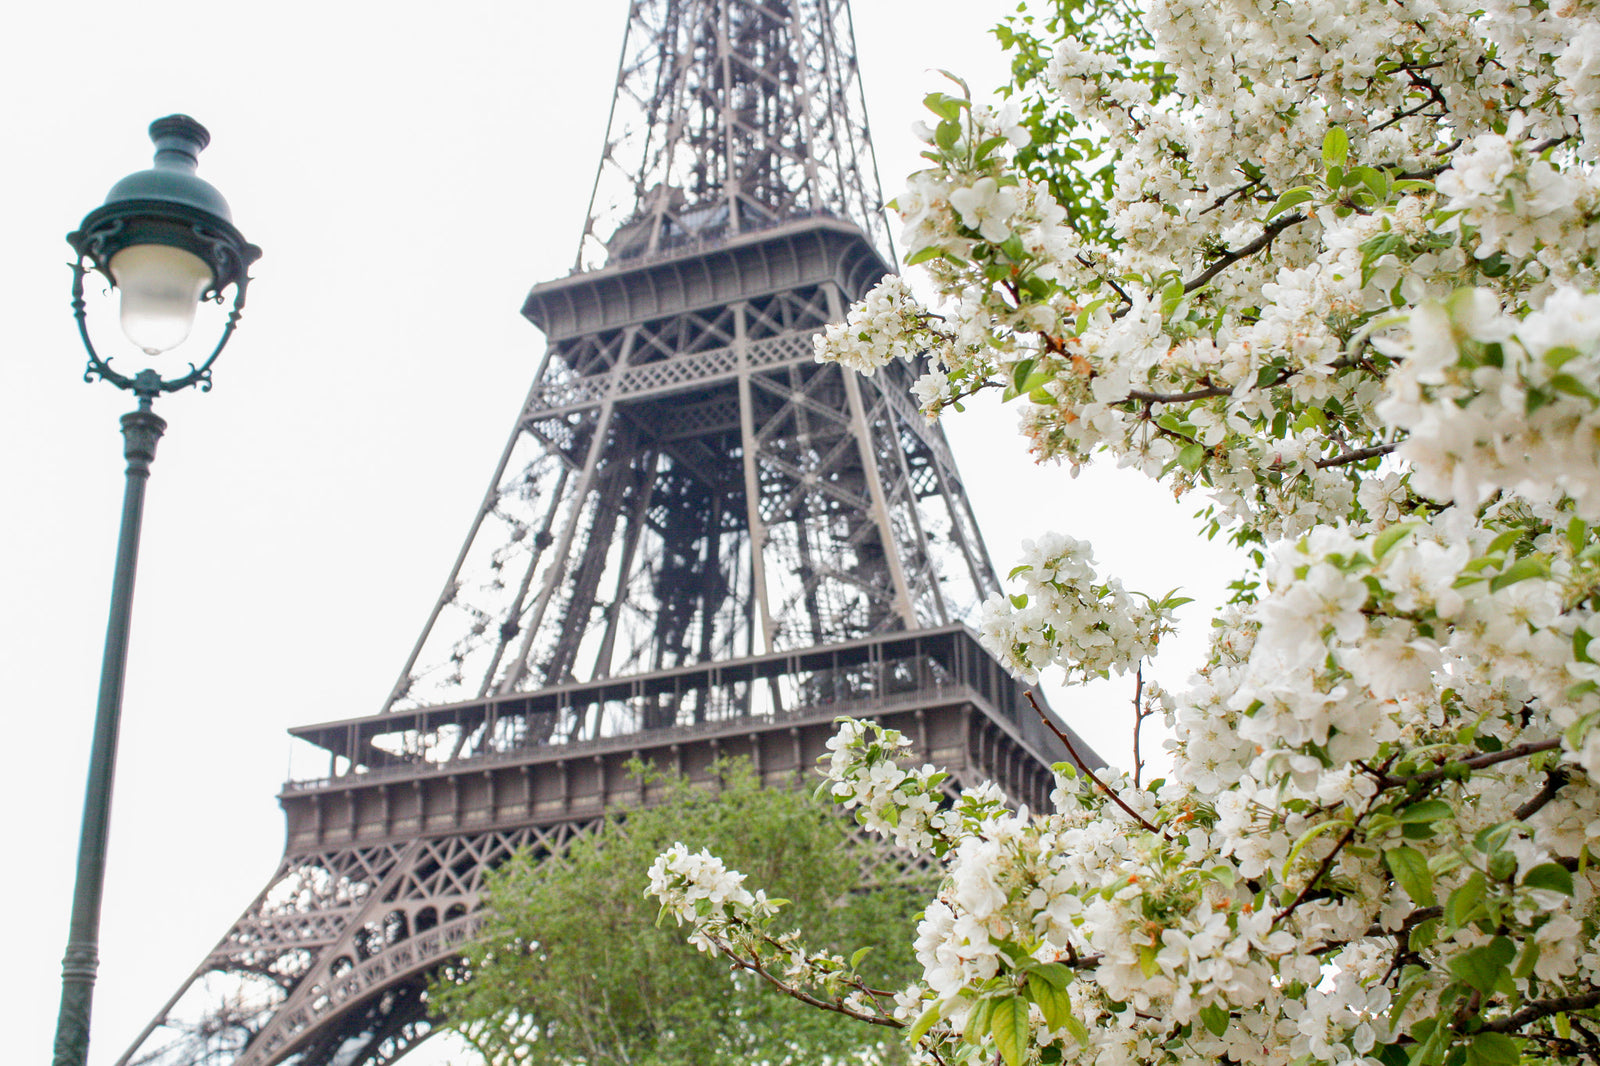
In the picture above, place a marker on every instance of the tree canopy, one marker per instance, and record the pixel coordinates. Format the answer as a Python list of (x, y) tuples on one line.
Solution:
[(571, 967), (1328, 267)]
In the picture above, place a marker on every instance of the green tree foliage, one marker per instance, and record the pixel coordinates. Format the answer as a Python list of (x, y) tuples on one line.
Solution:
[(571, 966)]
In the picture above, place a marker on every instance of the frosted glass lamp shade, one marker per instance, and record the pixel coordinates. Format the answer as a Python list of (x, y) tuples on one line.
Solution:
[(161, 288)]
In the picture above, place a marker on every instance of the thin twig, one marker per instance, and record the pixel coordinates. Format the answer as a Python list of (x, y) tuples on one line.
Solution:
[(1322, 868), (1357, 455), (1139, 715), (1400, 115), (1225, 197), (755, 967), (1090, 774)]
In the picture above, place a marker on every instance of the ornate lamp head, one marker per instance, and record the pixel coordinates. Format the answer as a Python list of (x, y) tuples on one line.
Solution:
[(165, 240)]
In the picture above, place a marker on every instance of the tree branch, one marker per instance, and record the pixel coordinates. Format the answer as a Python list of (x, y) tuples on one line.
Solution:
[(1090, 774), (753, 964), (1357, 455), (1542, 1009), (1207, 393), (1554, 782), (1229, 258), (1324, 865), (1478, 762)]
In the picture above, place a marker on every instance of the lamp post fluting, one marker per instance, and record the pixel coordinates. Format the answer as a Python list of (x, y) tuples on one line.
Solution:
[(165, 240)]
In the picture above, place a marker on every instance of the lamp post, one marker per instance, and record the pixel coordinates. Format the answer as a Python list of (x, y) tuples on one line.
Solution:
[(165, 240)]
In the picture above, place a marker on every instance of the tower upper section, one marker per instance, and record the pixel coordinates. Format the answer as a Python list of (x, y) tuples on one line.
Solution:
[(731, 116)]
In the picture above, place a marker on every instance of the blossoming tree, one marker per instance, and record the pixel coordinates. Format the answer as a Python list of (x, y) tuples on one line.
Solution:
[(1330, 266)]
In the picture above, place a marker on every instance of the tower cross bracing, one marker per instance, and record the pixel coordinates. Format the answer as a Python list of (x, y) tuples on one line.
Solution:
[(697, 542)]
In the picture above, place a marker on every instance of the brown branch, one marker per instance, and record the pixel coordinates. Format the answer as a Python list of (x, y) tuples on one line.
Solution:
[(1412, 920), (1357, 455), (1225, 197), (1400, 115), (1122, 309), (1554, 782), (1090, 774), (1324, 866), (1477, 762), (1208, 393), (755, 967), (1246, 251), (1542, 1009)]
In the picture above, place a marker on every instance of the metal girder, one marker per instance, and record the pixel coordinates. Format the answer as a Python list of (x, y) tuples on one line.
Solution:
[(697, 542), (729, 116)]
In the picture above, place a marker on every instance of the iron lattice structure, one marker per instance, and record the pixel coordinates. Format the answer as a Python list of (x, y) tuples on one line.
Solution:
[(698, 541)]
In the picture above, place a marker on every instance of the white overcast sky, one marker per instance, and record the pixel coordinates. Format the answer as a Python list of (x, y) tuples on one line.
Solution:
[(410, 170)]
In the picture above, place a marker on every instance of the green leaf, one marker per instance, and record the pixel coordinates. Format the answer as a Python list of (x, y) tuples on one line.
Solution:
[(1426, 811), (1290, 198), (1521, 570), (1390, 537), (945, 106), (1335, 147), (1462, 905), (1375, 181), (1307, 837), (1052, 999), (1147, 961), (978, 1021), (1192, 456), (1481, 967), (987, 147), (1549, 876), (1493, 1049), (1555, 359), (1410, 868), (1492, 837), (1215, 1019), (1009, 1026), (1057, 973), (1527, 960), (861, 953), (1079, 1031), (1504, 541), (1572, 387), (922, 255), (1580, 645), (1020, 372), (925, 1021)]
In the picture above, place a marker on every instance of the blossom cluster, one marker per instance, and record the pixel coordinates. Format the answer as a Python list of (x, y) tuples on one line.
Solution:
[(1069, 616), (1331, 267)]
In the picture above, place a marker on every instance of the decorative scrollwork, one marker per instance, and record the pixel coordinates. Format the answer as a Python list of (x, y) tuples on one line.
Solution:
[(147, 384)]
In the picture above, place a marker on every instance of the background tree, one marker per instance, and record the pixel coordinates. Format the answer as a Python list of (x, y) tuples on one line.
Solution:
[(1330, 264), (571, 967)]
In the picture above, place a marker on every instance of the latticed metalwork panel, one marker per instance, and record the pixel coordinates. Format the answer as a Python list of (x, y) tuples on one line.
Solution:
[(698, 542), (348, 933), (730, 116), (699, 488)]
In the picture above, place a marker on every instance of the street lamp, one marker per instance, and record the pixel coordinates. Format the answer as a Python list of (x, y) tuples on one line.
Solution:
[(166, 242)]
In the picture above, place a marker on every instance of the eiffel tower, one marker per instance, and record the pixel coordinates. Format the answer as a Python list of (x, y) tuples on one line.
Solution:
[(698, 542)]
